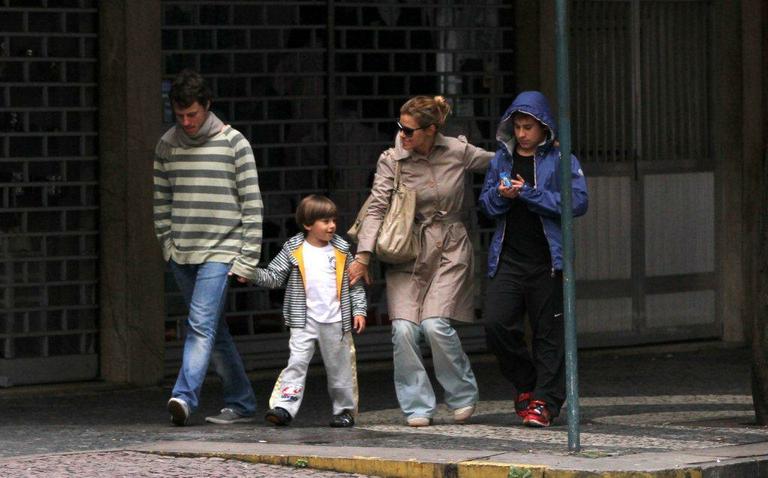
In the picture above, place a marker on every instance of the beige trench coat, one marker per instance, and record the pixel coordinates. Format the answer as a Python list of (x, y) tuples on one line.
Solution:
[(439, 283)]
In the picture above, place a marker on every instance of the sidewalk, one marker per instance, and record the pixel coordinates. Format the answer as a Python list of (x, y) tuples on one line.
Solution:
[(675, 411)]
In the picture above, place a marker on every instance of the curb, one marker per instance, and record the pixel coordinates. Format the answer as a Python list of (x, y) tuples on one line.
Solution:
[(410, 463), (375, 466), (363, 465), (360, 465)]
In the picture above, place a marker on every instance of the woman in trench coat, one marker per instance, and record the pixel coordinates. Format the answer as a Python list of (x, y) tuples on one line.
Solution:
[(426, 294)]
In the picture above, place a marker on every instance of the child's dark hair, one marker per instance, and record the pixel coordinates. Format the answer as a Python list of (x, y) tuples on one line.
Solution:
[(314, 207)]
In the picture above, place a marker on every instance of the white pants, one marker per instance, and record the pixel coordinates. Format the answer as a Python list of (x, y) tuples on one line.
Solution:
[(340, 368)]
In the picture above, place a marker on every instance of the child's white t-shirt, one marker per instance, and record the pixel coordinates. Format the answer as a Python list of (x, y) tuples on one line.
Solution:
[(320, 282)]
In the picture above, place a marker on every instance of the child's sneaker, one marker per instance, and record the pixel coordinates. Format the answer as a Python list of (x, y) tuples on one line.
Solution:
[(538, 415), (521, 403), (342, 420), (278, 416), (179, 411)]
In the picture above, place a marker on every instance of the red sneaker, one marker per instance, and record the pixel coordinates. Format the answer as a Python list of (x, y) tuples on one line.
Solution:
[(521, 403), (538, 415)]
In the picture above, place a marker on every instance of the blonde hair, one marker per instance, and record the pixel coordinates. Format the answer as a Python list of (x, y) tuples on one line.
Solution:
[(427, 110), (315, 207)]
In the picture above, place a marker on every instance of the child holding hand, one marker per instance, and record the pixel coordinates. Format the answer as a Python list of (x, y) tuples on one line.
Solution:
[(320, 308)]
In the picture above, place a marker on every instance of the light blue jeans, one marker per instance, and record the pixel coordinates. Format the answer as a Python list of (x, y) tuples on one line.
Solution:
[(204, 287), (452, 367)]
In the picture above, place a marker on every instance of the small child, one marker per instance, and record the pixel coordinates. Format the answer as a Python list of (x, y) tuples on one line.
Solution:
[(319, 307)]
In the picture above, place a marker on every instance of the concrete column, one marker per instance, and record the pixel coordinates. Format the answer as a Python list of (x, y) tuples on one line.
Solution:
[(131, 275), (527, 47), (727, 102), (535, 48), (547, 60), (753, 149)]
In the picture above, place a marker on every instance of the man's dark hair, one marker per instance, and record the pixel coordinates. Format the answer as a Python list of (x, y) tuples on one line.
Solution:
[(189, 86)]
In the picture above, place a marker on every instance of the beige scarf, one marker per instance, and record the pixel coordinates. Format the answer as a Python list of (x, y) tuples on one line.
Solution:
[(210, 128)]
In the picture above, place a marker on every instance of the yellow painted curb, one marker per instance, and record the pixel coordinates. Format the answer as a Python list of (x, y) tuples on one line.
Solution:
[(681, 473), (489, 469), (377, 466), (357, 464)]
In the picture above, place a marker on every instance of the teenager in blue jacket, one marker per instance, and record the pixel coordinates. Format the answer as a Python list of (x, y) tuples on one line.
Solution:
[(521, 192)]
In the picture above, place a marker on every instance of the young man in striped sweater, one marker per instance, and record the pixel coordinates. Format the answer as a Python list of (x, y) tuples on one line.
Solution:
[(320, 308), (208, 219)]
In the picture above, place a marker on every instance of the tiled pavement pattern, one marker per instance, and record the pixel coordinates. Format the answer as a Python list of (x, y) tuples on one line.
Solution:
[(610, 425), (118, 464), (632, 403)]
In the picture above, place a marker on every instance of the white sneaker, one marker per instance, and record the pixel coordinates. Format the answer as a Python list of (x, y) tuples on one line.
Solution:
[(179, 411), (461, 415), (419, 422)]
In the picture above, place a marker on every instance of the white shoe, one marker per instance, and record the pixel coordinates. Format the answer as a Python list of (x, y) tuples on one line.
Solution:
[(179, 411), (419, 422), (461, 415)]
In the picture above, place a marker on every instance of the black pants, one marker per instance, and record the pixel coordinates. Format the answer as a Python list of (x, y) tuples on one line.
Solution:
[(515, 290)]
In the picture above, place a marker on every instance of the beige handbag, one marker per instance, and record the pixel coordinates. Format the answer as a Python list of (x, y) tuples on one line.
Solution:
[(397, 241), (358, 224)]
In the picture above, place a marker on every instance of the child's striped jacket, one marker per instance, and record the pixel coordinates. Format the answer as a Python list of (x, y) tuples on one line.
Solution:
[(287, 270)]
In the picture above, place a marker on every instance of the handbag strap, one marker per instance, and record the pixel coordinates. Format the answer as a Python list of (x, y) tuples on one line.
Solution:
[(397, 175)]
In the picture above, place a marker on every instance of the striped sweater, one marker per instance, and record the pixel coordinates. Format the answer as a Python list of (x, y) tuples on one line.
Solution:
[(286, 270), (207, 202)]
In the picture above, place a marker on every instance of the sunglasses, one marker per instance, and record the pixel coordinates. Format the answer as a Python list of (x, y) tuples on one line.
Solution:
[(408, 132)]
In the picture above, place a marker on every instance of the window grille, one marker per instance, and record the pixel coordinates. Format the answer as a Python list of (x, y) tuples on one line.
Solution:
[(316, 87), (48, 189)]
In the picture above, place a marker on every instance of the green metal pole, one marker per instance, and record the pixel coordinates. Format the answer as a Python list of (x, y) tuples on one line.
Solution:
[(566, 217)]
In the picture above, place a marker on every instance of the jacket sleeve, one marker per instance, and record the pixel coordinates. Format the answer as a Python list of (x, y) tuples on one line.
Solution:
[(163, 200), (476, 159), (492, 203), (275, 276), (356, 292), (247, 181), (547, 202), (383, 184)]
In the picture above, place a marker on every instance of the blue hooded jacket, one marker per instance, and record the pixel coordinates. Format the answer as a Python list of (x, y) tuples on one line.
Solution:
[(543, 197)]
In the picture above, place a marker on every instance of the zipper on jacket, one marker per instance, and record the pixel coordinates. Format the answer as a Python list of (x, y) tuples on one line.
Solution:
[(504, 228), (543, 228), (501, 244)]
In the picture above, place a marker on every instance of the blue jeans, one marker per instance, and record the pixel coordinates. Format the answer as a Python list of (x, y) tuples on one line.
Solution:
[(204, 287), (452, 367)]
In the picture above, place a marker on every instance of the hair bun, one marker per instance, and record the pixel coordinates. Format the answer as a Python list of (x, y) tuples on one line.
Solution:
[(443, 107), (427, 110)]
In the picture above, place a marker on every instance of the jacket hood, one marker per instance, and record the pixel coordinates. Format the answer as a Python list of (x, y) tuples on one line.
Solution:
[(532, 103)]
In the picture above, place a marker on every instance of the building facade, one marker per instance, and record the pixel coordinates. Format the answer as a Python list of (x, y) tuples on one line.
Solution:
[(668, 116)]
